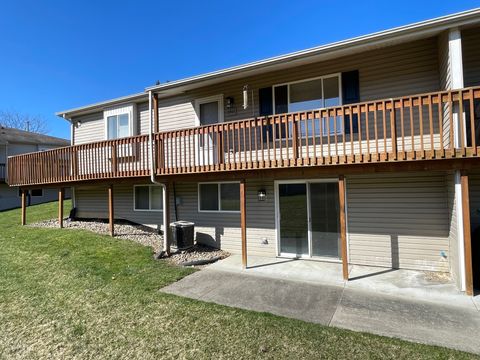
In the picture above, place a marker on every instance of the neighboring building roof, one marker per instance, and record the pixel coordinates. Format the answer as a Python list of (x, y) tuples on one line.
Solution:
[(17, 136), (341, 48)]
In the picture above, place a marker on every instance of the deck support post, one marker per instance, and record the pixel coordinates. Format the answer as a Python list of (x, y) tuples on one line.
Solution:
[(467, 239), (110, 210), (166, 219), (24, 207), (243, 221), (343, 226), (60, 207)]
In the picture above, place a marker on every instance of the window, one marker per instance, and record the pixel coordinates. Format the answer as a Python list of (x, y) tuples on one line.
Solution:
[(118, 126), (148, 198), (219, 196), (120, 121), (36, 192), (33, 192), (310, 95)]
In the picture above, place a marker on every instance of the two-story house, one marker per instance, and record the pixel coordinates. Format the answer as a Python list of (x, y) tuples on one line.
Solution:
[(363, 151), (14, 142)]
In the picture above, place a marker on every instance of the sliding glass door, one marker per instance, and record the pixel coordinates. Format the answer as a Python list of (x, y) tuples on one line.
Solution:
[(308, 219)]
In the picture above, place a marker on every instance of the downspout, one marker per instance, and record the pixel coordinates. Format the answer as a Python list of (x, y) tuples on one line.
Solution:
[(72, 142), (152, 171)]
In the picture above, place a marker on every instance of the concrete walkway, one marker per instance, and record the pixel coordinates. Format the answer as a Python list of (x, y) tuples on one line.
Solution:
[(452, 325)]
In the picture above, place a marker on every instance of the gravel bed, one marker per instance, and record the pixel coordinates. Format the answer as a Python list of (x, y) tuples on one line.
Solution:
[(140, 234), (197, 252)]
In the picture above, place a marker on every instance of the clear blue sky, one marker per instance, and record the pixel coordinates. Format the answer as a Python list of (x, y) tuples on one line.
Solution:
[(55, 55)]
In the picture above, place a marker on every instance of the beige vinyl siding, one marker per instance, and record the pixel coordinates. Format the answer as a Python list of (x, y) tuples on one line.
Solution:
[(91, 128), (92, 202), (471, 56), (398, 220), (399, 70), (218, 229), (143, 119), (222, 229)]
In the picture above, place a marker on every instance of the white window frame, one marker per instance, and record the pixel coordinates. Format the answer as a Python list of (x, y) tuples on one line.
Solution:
[(218, 183), (149, 198), (338, 75), (129, 109), (218, 98)]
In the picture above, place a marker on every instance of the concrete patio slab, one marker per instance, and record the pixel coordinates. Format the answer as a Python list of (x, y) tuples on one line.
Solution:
[(354, 309), (416, 321), (408, 284)]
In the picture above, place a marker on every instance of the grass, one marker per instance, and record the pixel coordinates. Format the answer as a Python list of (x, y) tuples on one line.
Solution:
[(74, 294)]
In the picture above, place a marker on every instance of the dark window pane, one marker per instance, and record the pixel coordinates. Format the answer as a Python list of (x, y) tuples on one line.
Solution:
[(230, 197), (141, 198), (157, 197), (36, 192), (208, 196)]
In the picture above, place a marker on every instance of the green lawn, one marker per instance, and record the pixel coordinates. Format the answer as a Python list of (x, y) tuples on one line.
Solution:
[(74, 294)]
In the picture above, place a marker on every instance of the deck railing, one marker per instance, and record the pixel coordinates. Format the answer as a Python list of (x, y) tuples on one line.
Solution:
[(427, 126)]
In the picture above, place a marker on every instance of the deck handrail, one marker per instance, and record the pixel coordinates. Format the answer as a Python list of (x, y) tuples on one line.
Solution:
[(412, 127)]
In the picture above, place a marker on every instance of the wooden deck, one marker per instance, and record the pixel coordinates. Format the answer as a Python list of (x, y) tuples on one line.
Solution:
[(440, 125)]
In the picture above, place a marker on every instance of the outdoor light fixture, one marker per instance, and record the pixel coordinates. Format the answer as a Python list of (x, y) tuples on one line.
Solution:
[(262, 195), (229, 102), (245, 97)]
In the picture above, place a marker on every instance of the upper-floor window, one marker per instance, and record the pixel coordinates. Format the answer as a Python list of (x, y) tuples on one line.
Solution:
[(311, 94), (118, 126), (119, 122)]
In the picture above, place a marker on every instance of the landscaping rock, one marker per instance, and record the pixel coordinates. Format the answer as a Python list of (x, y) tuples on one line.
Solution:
[(143, 235)]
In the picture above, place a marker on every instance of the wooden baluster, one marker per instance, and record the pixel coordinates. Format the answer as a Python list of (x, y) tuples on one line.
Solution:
[(307, 140), (375, 128), (440, 123), (269, 134), (250, 143), (274, 140), (472, 122), (461, 120), (402, 126), (295, 137), (327, 119), (335, 132), (393, 130), (430, 124), (359, 126), (420, 117), (314, 138), (452, 128), (350, 109), (384, 118), (412, 127), (344, 135)]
